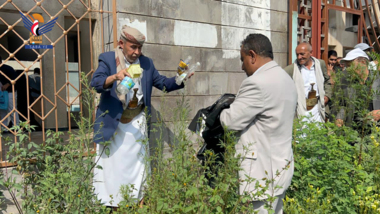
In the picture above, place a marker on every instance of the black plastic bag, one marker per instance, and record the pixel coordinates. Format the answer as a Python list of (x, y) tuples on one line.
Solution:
[(207, 123)]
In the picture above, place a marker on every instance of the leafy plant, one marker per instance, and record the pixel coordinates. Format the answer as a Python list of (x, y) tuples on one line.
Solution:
[(179, 183), (56, 176), (337, 168)]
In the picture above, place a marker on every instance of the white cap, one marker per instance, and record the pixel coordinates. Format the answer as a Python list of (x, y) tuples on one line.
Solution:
[(363, 46), (353, 54)]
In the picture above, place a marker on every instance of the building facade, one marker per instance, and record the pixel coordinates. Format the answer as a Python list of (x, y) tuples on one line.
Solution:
[(208, 30)]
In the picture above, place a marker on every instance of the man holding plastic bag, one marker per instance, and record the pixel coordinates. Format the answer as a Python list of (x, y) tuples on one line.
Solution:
[(263, 113)]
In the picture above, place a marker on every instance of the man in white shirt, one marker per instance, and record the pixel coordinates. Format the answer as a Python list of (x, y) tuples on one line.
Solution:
[(312, 82)]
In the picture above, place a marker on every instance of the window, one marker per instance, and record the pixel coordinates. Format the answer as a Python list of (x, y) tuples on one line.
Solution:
[(352, 21)]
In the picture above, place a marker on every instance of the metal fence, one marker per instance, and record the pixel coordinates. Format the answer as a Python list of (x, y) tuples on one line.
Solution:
[(311, 19), (76, 40)]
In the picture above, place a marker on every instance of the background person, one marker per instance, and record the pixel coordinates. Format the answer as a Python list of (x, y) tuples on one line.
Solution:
[(372, 65), (34, 93), (332, 66), (12, 95), (307, 71), (35, 83), (349, 113), (341, 65)]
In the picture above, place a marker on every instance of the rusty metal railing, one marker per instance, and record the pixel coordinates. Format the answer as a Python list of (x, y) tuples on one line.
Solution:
[(91, 12), (317, 34)]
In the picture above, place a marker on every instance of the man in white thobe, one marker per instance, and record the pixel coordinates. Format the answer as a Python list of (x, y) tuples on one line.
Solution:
[(310, 73)]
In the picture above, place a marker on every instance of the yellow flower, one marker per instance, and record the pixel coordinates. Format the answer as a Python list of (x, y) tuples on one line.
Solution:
[(210, 153), (127, 205), (353, 192), (78, 195), (173, 174), (38, 211), (372, 137), (184, 184)]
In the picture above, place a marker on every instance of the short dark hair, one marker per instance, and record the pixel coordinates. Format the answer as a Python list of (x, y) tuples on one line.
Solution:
[(258, 43), (332, 53), (37, 70)]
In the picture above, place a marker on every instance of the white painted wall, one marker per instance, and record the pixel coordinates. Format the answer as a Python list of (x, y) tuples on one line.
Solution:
[(139, 25), (241, 18), (195, 34)]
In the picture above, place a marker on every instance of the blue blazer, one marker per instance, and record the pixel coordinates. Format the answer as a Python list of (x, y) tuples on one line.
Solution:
[(109, 100)]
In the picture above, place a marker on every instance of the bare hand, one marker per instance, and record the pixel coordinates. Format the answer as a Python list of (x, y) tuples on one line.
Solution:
[(339, 122), (5, 87), (375, 114), (190, 75), (121, 74), (326, 100)]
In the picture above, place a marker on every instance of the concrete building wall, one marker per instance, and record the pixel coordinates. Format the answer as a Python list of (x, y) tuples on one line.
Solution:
[(342, 37), (339, 39), (208, 30)]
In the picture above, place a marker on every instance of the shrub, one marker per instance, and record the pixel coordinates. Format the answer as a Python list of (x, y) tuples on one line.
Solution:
[(337, 168), (56, 176)]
